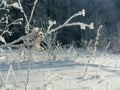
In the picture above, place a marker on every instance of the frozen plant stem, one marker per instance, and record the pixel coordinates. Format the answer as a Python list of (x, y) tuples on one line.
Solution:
[(28, 72), (19, 66), (106, 48), (86, 69), (93, 51), (96, 41), (10, 73), (27, 80)]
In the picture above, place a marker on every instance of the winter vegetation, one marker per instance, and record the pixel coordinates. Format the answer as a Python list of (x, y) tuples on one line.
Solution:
[(37, 54)]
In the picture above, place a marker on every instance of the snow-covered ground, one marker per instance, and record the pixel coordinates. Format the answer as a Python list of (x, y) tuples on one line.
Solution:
[(103, 73)]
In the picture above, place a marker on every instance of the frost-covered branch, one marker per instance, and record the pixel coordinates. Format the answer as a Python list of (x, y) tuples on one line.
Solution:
[(19, 6), (82, 26), (17, 21), (67, 23), (80, 13), (32, 12), (22, 10)]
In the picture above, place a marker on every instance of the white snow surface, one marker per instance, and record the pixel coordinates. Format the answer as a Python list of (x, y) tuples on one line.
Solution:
[(102, 74)]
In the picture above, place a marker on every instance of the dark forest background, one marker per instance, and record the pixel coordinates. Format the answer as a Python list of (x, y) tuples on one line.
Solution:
[(101, 12)]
